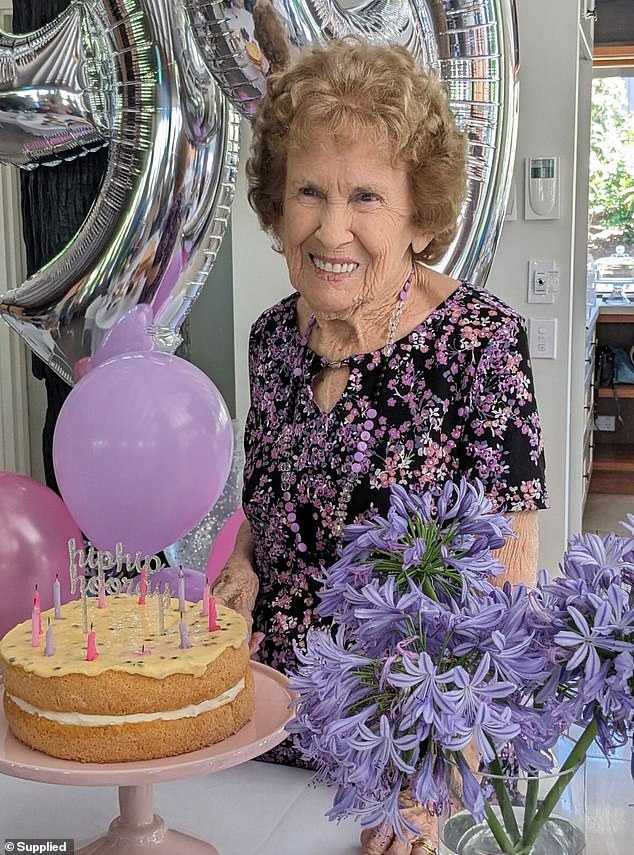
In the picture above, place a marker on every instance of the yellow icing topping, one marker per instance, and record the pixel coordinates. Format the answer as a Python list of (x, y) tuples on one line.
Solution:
[(122, 630)]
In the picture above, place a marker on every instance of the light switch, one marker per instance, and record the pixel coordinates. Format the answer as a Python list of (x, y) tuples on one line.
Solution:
[(542, 338)]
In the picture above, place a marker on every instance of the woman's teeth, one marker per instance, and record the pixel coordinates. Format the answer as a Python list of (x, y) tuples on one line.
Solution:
[(327, 267)]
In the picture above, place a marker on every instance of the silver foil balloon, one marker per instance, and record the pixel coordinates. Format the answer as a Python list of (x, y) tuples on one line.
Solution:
[(132, 73), (192, 550), (471, 43), (52, 107)]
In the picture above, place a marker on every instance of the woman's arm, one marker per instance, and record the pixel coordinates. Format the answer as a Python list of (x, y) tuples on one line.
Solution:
[(519, 555), (238, 584)]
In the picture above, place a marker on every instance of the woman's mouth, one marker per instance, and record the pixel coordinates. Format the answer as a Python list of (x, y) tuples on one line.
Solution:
[(332, 266)]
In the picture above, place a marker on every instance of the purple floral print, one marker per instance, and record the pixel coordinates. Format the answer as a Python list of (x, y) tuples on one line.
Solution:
[(457, 399)]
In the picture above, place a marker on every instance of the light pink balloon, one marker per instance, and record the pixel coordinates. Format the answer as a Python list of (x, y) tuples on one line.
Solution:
[(223, 545), (35, 526), (142, 449)]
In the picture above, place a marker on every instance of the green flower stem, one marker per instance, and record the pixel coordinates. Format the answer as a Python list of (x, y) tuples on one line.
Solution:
[(567, 771), (506, 808), (532, 791), (500, 835)]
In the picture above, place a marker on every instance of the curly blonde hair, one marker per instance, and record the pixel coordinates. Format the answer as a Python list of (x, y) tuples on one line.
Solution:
[(359, 90)]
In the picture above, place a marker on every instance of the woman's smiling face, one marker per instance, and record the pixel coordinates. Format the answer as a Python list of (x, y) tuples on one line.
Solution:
[(347, 227)]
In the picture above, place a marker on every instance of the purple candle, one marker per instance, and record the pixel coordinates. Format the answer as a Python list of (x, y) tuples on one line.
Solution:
[(181, 591), (182, 628), (49, 650)]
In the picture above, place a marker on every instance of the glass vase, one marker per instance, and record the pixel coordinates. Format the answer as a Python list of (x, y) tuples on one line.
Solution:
[(543, 814)]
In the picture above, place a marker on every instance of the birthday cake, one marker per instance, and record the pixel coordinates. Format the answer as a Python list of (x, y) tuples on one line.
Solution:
[(140, 694)]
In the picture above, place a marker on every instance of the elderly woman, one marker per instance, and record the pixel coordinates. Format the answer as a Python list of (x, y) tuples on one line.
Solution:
[(377, 369)]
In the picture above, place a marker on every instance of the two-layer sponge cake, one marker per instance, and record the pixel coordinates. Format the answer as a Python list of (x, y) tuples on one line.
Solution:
[(143, 697)]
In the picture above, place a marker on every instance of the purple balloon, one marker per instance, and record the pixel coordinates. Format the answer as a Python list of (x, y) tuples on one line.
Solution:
[(35, 528), (130, 334), (194, 582), (142, 449)]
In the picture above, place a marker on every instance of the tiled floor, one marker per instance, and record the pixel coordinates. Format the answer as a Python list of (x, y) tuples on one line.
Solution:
[(604, 512)]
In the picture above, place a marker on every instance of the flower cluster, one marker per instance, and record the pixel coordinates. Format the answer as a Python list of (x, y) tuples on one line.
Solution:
[(429, 656)]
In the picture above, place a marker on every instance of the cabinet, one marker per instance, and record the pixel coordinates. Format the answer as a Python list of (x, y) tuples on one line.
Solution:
[(613, 453)]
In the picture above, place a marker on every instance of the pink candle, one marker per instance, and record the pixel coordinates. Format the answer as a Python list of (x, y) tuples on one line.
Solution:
[(101, 597), (213, 623), (206, 591), (36, 598), (182, 628), (57, 598), (91, 647), (35, 627), (49, 650), (142, 587)]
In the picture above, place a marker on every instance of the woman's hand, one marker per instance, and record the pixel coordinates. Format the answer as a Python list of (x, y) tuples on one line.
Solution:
[(238, 584), (383, 841)]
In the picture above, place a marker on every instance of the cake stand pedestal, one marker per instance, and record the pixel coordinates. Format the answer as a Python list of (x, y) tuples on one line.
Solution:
[(138, 830)]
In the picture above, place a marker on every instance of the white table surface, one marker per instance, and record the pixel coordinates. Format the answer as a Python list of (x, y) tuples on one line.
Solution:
[(262, 809)]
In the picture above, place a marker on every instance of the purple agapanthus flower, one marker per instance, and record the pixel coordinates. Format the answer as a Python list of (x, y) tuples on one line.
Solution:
[(429, 657)]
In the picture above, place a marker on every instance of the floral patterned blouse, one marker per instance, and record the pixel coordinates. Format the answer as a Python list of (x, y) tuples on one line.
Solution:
[(455, 398)]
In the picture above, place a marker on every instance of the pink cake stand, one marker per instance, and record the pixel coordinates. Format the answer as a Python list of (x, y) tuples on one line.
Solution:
[(138, 830)]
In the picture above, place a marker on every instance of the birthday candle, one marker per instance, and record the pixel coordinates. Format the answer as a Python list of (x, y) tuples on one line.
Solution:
[(40, 629), (161, 609), (35, 627), (142, 587), (84, 602), (91, 646), (49, 650), (57, 598), (182, 628), (213, 623), (206, 591), (101, 596), (181, 591), (36, 597)]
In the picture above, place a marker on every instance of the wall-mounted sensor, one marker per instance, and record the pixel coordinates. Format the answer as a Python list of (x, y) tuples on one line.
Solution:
[(541, 197)]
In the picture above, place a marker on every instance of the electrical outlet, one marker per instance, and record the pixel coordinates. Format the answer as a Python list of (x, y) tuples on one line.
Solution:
[(543, 281), (607, 423)]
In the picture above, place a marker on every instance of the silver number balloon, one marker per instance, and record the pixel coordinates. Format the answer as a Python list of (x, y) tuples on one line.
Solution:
[(471, 43), (140, 75), (52, 107), (138, 78)]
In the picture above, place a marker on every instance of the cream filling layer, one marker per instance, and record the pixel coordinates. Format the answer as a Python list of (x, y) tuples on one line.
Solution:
[(88, 720)]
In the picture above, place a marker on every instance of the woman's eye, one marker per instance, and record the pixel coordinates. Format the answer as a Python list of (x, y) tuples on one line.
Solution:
[(367, 196), (308, 192)]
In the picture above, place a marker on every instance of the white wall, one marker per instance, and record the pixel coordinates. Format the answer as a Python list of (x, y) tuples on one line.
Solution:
[(551, 108), (549, 51)]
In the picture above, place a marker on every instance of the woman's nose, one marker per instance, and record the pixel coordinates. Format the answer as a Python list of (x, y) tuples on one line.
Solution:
[(335, 225)]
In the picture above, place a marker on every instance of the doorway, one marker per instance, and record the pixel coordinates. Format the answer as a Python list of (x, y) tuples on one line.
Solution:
[(610, 296)]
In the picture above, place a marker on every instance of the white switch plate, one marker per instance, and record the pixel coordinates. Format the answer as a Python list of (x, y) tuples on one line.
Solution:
[(542, 338)]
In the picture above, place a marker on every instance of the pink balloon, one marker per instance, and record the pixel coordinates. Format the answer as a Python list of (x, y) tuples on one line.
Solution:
[(35, 527), (142, 449), (223, 545)]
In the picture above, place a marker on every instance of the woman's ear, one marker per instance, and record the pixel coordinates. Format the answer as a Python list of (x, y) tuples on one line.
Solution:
[(421, 241)]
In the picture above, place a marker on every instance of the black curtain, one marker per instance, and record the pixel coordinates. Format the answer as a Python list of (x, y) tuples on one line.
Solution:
[(55, 202)]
